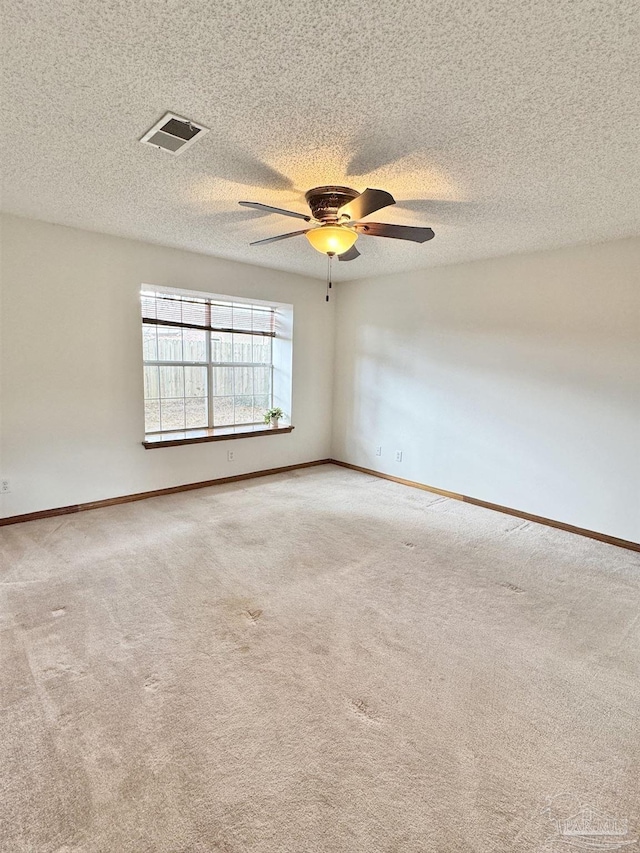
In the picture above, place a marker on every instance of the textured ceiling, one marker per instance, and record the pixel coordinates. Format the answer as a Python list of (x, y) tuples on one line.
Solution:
[(504, 125)]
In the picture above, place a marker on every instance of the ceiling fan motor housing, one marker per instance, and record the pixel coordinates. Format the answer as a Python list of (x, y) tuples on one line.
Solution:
[(325, 202)]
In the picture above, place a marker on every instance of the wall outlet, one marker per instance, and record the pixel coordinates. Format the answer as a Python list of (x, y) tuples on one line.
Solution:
[(378, 450), (231, 455), (5, 487), (398, 456)]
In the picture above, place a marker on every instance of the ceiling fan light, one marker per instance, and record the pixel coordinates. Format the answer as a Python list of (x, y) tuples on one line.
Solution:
[(332, 239)]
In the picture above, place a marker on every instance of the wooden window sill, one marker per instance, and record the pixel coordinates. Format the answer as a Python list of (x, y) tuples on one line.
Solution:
[(199, 436)]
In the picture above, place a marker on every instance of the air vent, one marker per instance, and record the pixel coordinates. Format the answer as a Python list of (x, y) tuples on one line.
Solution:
[(174, 134)]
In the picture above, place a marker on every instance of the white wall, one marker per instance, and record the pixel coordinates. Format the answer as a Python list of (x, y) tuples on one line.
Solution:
[(71, 370), (515, 380)]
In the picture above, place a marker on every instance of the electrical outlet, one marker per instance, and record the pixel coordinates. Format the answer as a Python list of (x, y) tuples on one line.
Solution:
[(230, 455), (378, 450), (5, 487), (398, 456)]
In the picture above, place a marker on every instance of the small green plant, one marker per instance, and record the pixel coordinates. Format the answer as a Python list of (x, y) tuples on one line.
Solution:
[(273, 414)]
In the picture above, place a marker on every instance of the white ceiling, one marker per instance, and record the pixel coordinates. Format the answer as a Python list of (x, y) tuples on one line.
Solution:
[(505, 125)]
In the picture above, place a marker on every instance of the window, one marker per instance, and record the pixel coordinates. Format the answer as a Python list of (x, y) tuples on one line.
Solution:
[(207, 363)]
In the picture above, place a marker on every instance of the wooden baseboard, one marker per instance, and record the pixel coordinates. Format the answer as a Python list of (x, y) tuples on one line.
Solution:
[(172, 490), (549, 522), (141, 496)]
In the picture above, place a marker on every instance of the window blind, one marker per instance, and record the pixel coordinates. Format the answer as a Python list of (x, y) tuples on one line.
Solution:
[(164, 309)]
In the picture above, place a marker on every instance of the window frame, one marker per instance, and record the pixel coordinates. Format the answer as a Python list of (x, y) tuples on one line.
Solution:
[(208, 363)]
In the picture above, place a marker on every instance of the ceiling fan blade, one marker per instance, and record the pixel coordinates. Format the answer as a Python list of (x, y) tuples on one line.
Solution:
[(398, 232), (350, 255), (367, 202), (279, 237), (268, 209)]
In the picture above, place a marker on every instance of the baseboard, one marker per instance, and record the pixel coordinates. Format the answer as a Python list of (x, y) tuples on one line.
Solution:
[(549, 522), (141, 496), (172, 490)]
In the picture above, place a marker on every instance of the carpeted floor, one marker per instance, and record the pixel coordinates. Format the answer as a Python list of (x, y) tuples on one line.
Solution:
[(315, 661)]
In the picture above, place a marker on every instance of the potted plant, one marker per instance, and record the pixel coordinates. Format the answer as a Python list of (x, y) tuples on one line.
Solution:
[(273, 416)]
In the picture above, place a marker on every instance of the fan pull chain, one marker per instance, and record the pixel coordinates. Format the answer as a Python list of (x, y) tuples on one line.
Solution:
[(329, 282), (328, 276)]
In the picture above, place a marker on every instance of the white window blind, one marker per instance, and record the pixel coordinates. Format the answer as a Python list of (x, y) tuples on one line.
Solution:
[(162, 309)]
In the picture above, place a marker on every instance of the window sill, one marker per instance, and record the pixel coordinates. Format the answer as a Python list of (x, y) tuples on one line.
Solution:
[(199, 436)]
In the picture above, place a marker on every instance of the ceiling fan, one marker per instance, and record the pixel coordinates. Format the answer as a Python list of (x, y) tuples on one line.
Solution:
[(335, 212)]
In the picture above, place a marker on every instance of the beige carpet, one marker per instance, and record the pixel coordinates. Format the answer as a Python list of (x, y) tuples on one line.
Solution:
[(316, 661)]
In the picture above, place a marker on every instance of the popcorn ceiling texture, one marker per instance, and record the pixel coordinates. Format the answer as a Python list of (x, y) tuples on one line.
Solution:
[(316, 662), (506, 126)]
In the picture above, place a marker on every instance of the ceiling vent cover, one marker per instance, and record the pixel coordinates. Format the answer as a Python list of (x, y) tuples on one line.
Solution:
[(174, 133)]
